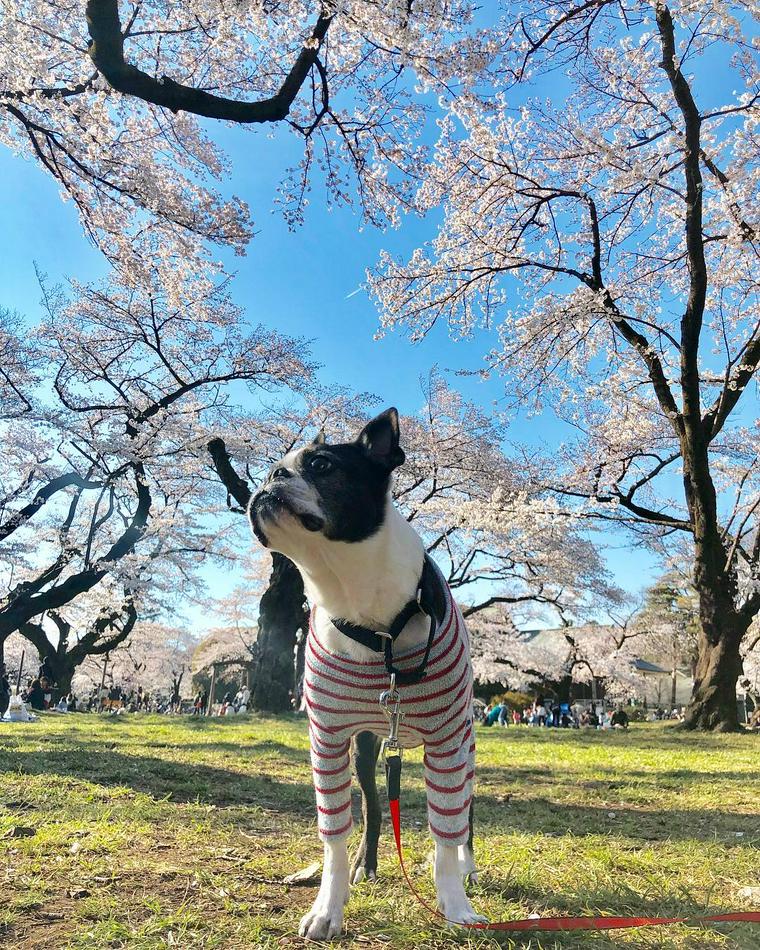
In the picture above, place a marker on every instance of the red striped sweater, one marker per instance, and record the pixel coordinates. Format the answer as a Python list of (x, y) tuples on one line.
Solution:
[(342, 699)]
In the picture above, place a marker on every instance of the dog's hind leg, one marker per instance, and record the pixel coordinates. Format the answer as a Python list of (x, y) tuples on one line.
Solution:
[(366, 749)]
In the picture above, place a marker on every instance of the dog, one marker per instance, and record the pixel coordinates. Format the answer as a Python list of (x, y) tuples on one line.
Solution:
[(328, 507)]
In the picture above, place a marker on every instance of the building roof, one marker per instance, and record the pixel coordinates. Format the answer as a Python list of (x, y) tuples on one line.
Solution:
[(644, 666)]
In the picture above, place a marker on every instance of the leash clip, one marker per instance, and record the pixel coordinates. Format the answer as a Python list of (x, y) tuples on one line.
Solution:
[(390, 703)]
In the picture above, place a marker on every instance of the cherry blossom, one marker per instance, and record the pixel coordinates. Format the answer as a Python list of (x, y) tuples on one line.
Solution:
[(607, 237)]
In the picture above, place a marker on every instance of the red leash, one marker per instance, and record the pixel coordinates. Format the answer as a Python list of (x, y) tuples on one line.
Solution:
[(393, 775)]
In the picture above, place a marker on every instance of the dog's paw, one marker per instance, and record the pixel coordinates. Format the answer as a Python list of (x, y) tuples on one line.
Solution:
[(323, 922), (456, 908), (462, 913), (471, 878), (364, 874)]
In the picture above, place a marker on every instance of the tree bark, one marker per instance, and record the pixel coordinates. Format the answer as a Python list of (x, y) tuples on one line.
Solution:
[(722, 625), (713, 704), (282, 612)]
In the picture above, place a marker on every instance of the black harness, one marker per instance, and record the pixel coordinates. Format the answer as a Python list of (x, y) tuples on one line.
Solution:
[(426, 602)]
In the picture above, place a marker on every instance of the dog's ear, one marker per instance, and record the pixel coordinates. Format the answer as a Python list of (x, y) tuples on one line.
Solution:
[(319, 438), (380, 438)]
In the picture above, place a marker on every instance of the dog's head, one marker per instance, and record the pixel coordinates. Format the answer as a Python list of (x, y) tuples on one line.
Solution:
[(339, 492)]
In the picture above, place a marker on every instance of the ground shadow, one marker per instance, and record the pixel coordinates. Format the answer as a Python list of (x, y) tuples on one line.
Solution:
[(262, 747), (162, 779), (518, 811)]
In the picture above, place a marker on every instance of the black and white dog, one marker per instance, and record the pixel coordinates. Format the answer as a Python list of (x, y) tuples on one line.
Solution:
[(329, 509)]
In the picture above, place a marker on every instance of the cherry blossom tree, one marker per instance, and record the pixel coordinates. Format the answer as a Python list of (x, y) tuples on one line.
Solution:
[(587, 653), (497, 540), (90, 630), (607, 236), (106, 476), (156, 656), (17, 367), (238, 610), (106, 98), (669, 621)]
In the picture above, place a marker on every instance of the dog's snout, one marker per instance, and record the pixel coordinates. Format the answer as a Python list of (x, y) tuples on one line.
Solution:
[(280, 472)]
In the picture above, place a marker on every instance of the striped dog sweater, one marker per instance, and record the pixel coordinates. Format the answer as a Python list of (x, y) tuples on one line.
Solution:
[(342, 698)]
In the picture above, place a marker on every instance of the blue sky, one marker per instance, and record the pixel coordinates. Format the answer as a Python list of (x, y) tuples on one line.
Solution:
[(303, 283)]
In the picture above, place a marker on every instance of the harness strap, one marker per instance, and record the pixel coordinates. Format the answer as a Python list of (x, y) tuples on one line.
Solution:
[(382, 642)]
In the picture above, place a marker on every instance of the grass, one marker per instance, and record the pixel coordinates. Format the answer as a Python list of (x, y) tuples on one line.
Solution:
[(153, 832)]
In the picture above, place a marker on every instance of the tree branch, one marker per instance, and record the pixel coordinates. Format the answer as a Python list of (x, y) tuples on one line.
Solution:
[(236, 486), (43, 495), (107, 53)]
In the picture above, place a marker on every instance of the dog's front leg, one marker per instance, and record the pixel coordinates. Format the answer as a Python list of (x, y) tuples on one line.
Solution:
[(453, 902), (332, 784), (325, 919)]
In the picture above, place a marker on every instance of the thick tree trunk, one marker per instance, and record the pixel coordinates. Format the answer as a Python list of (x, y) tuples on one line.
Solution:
[(722, 626), (282, 612), (64, 676), (713, 703)]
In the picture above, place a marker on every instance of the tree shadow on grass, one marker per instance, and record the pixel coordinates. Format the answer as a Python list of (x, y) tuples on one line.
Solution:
[(670, 783), (162, 779), (533, 813), (244, 749)]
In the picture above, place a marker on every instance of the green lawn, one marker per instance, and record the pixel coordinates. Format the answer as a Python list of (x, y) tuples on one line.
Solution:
[(153, 832)]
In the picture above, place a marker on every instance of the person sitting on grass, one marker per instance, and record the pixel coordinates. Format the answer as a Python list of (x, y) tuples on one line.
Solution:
[(619, 719), (35, 695), (589, 719)]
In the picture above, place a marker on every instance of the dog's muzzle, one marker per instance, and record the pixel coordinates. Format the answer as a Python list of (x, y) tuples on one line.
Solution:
[(271, 503)]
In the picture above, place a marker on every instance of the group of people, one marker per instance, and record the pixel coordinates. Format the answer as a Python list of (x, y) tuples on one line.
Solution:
[(553, 714), (115, 698), (231, 704), (38, 694)]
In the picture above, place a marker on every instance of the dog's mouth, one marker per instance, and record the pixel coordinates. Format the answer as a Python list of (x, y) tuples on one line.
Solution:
[(271, 505)]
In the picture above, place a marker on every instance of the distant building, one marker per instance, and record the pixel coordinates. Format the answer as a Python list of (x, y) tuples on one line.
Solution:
[(657, 687)]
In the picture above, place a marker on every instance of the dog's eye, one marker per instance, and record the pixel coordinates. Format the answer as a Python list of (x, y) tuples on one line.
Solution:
[(319, 464)]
